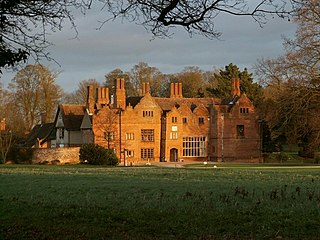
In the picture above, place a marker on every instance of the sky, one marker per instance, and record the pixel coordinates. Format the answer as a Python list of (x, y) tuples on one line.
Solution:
[(121, 44)]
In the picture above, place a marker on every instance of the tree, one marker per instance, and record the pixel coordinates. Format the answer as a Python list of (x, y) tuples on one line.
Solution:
[(35, 93), (6, 143), (195, 16), (50, 93), (9, 112), (111, 80), (224, 80), (25, 24), (79, 96), (141, 73), (106, 127), (292, 83), (97, 155), (192, 82), (5, 134)]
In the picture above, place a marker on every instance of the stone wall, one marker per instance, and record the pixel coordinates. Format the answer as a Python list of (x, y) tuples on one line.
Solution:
[(68, 155)]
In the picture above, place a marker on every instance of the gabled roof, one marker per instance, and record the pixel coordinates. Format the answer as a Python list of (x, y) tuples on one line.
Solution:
[(40, 132), (72, 116), (148, 100), (133, 101), (168, 103), (86, 121)]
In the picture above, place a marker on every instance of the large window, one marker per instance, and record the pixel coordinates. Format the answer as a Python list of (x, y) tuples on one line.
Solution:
[(147, 135), (194, 146), (147, 153)]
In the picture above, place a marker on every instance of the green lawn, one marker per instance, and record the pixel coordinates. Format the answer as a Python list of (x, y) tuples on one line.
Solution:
[(227, 202)]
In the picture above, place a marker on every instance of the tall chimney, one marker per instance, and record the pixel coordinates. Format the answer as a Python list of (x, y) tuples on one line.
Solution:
[(90, 99), (175, 90), (145, 88), (120, 97), (180, 90), (236, 87), (102, 96), (172, 90)]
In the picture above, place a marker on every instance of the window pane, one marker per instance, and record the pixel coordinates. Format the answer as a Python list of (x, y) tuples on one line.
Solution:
[(147, 135), (194, 146)]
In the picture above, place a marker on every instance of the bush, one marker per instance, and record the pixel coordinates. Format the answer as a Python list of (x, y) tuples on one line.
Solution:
[(20, 155), (97, 155)]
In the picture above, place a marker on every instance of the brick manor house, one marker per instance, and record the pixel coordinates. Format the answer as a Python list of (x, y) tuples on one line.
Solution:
[(147, 128)]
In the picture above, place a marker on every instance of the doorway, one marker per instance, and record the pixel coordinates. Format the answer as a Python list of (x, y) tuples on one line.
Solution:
[(173, 155)]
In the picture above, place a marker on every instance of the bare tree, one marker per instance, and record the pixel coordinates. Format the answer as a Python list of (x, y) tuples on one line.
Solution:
[(195, 16), (6, 143), (10, 113), (25, 24), (110, 82), (292, 83), (35, 93), (79, 96), (142, 72), (105, 124), (192, 81)]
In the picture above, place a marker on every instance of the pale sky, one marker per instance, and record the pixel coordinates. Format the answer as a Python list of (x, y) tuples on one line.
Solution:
[(122, 45)]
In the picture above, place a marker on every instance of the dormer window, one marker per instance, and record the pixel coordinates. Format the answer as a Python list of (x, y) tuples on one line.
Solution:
[(147, 113), (244, 110)]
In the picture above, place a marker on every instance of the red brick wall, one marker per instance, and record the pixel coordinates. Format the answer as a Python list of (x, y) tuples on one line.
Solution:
[(219, 127)]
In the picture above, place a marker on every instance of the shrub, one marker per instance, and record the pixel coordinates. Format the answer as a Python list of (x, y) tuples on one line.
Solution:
[(20, 155), (97, 155)]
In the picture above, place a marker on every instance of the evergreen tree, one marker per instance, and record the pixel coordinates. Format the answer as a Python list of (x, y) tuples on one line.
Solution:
[(224, 80)]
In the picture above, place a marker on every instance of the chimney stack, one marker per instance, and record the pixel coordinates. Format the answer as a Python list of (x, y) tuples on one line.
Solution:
[(236, 87), (90, 99), (102, 96), (176, 90), (120, 97), (145, 88)]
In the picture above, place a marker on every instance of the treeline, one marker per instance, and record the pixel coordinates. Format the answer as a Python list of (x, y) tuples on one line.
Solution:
[(196, 82), (291, 82)]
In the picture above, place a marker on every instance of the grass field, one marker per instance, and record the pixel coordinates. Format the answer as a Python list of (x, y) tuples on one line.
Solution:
[(229, 202)]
